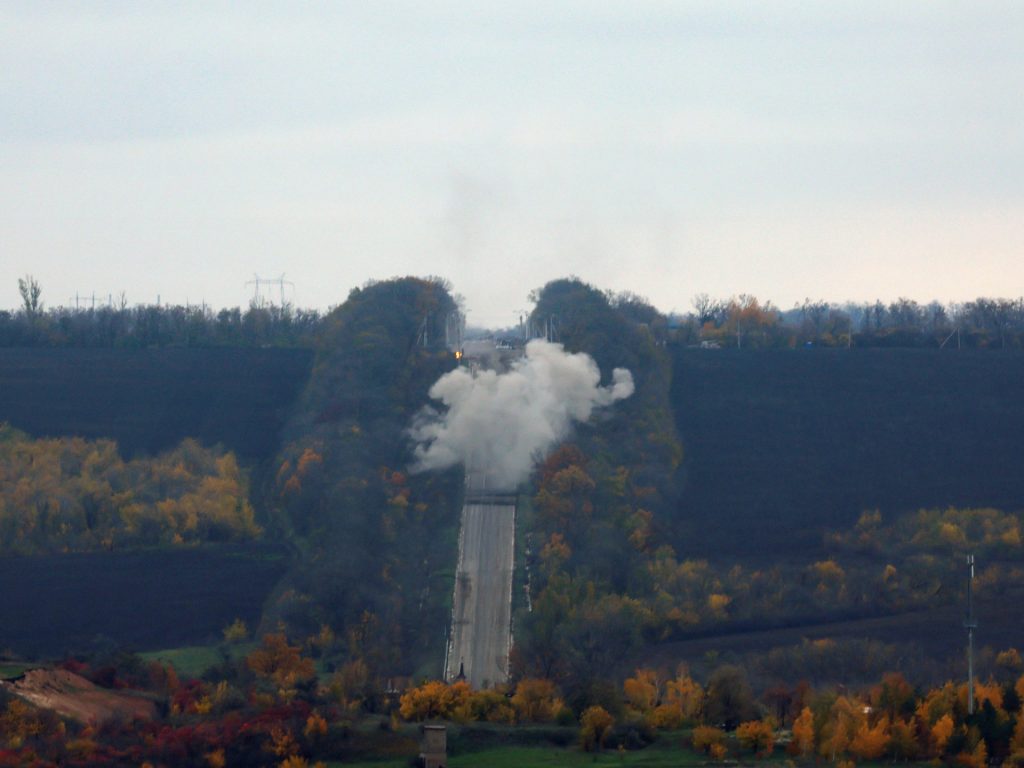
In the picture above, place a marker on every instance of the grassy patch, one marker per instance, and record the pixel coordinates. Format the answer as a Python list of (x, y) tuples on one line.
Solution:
[(193, 661), (655, 756), (11, 670)]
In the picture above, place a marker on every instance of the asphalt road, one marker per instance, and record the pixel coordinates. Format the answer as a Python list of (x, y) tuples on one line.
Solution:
[(481, 631)]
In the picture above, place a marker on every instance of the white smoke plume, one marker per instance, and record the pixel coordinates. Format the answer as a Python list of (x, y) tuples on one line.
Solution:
[(504, 422)]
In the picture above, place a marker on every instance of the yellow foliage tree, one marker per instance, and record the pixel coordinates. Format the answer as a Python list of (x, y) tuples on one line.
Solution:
[(236, 632), (536, 700), (595, 725), (72, 494), (844, 720), (436, 699), (428, 701), (682, 702), (641, 691), (704, 737), (489, 706)]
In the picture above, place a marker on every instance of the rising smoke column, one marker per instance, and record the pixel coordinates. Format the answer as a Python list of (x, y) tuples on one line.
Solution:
[(505, 422)]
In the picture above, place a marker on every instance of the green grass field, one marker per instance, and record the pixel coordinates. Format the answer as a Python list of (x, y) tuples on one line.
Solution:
[(192, 661), (655, 756), (10, 669)]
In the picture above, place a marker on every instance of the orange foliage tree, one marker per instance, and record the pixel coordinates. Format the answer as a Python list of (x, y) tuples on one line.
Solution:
[(870, 742), (641, 691), (280, 662), (757, 736), (803, 734)]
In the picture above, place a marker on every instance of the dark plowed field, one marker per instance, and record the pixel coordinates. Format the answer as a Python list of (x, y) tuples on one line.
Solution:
[(149, 400), (54, 604), (781, 444)]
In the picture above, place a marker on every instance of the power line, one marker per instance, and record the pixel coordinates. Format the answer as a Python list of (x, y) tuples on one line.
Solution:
[(268, 282)]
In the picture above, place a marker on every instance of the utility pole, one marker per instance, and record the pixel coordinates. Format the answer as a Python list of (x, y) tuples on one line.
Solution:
[(423, 338), (971, 624), (256, 290), (523, 314), (551, 332)]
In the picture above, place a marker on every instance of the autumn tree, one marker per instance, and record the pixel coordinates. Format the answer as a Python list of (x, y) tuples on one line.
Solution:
[(436, 699), (903, 744), (66, 494), (940, 733), (30, 291), (682, 702), (757, 736), (1017, 743), (536, 700), (641, 691), (870, 742), (710, 740), (350, 683), (488, 706), (425, 702), (729, 698), (280, 662), (236, 632), (844, 719), (595, 725), (803, 734)]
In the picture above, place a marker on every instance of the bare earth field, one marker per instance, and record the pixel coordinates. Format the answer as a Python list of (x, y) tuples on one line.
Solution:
[(74, 697)]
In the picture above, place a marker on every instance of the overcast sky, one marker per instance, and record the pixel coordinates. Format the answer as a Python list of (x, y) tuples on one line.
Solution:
[(784, 149)]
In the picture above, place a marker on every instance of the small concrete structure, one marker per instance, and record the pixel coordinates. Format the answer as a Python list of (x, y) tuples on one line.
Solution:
[(434, 746)]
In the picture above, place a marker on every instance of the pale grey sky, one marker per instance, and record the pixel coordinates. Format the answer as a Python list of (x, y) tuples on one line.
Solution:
[(840, 150)]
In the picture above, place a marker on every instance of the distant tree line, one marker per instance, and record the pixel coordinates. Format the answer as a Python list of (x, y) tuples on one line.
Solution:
[(744, 321), (116, 324)]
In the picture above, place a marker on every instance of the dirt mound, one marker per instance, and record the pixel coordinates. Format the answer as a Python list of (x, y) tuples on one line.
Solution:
[(74, 697)]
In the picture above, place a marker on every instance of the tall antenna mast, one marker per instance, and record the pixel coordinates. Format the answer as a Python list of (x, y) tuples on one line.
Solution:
[(971, 625)]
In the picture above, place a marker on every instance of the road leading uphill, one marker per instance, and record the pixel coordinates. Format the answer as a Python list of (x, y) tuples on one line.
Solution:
[(481, 632)]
